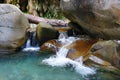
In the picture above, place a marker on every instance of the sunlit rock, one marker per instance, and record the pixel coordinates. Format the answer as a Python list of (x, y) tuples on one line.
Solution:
[(51, 46), (80, 48), (13, 25), (97, 18), (46, 32)]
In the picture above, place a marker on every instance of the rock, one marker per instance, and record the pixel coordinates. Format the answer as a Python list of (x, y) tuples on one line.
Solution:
[(96, 53), (98, 18), (77, 30), (51, 46), (80, 48), (46, 32), (102, 53), (108, 52), (22, 4), (13, 25)]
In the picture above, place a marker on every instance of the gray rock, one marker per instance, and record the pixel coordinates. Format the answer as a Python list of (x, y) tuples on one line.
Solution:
[(13, 25), (98, 18), (46, 32)]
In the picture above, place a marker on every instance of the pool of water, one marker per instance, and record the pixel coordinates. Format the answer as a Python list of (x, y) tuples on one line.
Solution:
[(28, 66)]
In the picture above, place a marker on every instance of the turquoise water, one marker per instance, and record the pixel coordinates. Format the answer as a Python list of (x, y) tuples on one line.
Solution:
[(28, 66)]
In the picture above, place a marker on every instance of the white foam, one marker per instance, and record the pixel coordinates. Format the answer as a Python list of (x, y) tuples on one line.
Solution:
[(66, 0), (60, 60), (31, 49), (63, 62)]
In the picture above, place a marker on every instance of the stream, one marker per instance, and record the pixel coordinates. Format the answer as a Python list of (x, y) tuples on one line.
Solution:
[(29, 64)]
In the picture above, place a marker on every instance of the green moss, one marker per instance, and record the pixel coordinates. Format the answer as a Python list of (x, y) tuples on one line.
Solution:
[(50, 14)]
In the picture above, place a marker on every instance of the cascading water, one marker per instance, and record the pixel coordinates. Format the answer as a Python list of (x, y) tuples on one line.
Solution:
[(31, 45), (60, 59)]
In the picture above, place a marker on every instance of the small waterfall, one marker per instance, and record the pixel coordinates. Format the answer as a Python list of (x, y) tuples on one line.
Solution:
[(31, 44), (28, 43), (60, 59)]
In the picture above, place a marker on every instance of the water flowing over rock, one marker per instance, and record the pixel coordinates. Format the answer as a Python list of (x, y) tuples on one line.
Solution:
[(13, 25), (60, 59), (97, 18), (94, 52)]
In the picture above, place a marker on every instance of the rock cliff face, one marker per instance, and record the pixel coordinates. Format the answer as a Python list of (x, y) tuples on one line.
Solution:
[(98, 18), (13, 25)]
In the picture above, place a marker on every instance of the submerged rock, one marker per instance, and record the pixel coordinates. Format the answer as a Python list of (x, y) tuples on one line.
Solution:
[(46, 32), (97, 18), (13, 25)]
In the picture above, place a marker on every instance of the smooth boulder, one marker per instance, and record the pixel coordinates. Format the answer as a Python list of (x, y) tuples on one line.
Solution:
[(51, 46), (45, 32), (13, 25), (80, 48), (107, 51), (97, 18)]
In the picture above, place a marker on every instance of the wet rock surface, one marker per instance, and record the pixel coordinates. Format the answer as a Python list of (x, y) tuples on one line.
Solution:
[(103, 54)]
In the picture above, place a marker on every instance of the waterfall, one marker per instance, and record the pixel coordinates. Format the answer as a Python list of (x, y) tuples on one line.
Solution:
[(31, 44), (60, 60), (28, 43)]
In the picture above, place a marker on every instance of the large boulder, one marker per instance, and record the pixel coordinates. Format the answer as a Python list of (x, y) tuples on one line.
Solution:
[(98, 18), (107, 51), (104, 53), (80, 48), (13, 25), (45, 32)]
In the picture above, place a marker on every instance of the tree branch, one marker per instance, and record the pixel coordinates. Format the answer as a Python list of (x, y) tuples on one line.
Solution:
[(53, 22)]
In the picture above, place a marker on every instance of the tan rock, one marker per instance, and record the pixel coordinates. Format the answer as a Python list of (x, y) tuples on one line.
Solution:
[(51, 46), (80, 48)]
